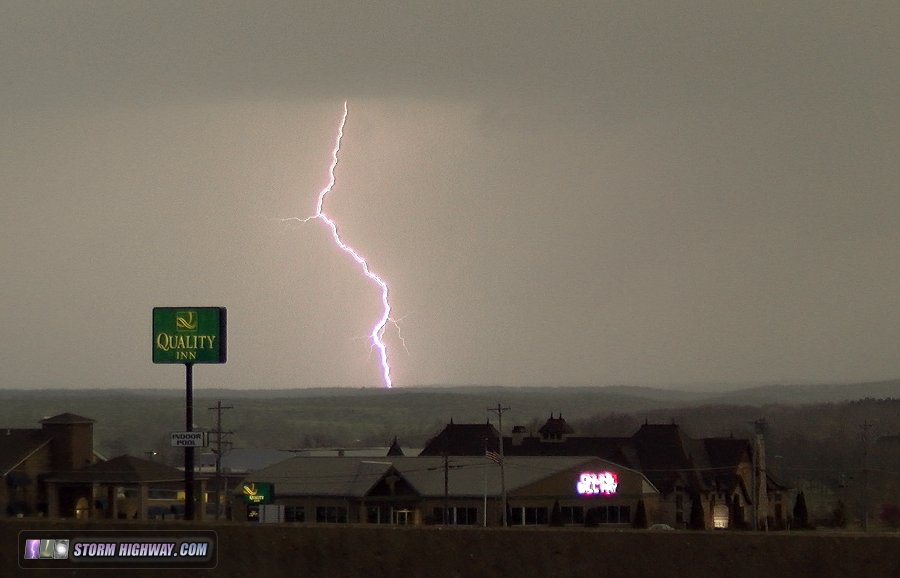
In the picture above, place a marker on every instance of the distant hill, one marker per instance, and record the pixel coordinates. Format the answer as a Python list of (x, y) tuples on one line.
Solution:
[(139, 420), (803, 394)]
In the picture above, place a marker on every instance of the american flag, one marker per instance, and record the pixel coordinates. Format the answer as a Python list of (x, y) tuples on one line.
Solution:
[(493, 456)]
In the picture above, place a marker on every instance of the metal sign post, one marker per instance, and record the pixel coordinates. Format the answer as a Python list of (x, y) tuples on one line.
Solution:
[(189, 451), (189, 335)]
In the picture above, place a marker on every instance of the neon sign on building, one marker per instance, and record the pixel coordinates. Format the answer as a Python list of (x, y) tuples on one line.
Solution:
[(593, 483)]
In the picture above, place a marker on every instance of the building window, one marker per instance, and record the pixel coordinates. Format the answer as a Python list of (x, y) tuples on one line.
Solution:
[(331, 515), (572, 515), (294, 514), (608, 515), (378, 515), (528, 516), (458, 516), (467, 516)]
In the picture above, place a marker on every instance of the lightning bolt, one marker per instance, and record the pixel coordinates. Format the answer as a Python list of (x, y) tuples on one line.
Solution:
[(377, 334)]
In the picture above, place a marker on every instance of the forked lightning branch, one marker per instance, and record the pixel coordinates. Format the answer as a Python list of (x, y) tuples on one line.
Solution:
[(376, 335)]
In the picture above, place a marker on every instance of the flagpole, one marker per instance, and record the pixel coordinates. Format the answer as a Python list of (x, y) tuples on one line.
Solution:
[(484, 481)]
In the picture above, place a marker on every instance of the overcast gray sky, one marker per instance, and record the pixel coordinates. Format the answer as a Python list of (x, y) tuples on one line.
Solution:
[(556, 192)]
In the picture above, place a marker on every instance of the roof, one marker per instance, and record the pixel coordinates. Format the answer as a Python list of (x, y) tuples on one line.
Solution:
[(123, 469), (606, 448), (555, 426), (663, 452), (395, 449), (727, 451), (242, 460), (17, 444), (666, 456), (466, 475), (463, 439), (324, 476), (475, 476), (774, 484), (66, 418)]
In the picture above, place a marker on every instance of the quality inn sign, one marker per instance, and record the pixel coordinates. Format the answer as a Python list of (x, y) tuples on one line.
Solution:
[(188, 335)]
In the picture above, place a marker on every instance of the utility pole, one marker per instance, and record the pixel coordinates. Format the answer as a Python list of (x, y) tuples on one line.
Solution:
[(218, 451), (445, 520), (865, 427), (760, 481), (499, 411)]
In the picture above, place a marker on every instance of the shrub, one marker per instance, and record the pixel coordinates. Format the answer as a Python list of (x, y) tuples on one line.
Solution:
[(640, 516), (801, 514), (698, 521)]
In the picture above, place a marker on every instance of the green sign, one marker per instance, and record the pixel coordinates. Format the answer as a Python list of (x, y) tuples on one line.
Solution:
[(188, 335), (258, 492)]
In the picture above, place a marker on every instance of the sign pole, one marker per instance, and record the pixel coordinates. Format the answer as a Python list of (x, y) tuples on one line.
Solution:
[(189, 451), (189, 335)]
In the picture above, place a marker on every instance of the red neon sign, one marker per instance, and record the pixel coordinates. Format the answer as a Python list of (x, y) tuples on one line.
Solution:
[(593, 483)]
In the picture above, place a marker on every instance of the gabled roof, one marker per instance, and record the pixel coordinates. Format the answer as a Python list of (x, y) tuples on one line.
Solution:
[(473, 476), (66, 418), (17, 444), (666, 457), (324, 476), (555, 426), (466, 475), (661, 446), (464, 439), (122, 469), (395, 449)]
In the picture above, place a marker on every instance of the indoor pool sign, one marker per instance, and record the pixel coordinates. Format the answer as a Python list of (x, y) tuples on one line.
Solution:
[(188, 335)]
